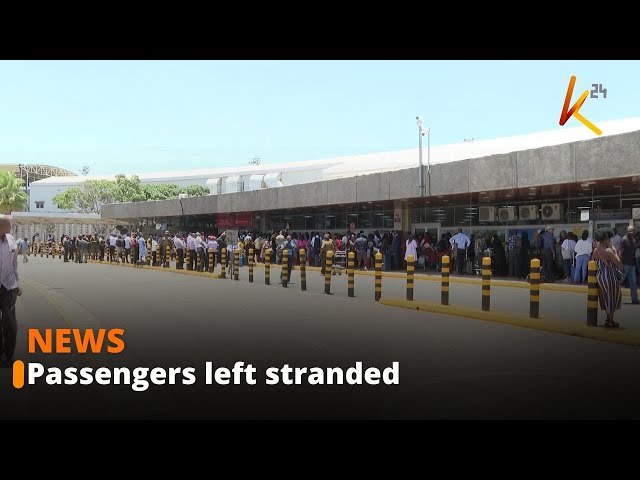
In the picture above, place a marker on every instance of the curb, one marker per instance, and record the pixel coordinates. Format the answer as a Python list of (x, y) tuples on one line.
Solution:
[(546, 324)]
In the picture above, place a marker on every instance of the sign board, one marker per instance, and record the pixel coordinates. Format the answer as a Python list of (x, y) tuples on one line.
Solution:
[(244, 220), (620, 214), (584, 215), (635, 213)]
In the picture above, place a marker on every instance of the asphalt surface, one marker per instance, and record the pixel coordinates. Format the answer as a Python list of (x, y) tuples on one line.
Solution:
[(449, 367)]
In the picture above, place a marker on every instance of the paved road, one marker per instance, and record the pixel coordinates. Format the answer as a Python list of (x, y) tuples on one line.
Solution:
[(450, 367)]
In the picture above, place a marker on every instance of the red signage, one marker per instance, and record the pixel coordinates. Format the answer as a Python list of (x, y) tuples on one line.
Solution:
[(244, 219), (225, 221), (238, 220)]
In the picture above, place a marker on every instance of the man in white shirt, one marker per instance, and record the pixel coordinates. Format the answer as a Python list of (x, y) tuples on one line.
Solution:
[(154, 251), (583, 250), (112, 247), (179, 244), (127, 247), (9, 292), (461, 242)]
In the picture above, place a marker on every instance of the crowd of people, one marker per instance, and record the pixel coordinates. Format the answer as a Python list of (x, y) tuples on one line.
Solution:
[(617, 256)]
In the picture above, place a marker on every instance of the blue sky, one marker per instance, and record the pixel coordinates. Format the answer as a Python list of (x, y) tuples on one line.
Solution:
[(145, 116)]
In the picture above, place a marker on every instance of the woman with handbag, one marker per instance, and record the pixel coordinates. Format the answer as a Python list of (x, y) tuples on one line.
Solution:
[(609, 275)]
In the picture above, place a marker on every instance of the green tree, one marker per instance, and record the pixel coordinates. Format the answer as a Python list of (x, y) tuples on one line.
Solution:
[(13, 198), (90, 195), (196, 190)]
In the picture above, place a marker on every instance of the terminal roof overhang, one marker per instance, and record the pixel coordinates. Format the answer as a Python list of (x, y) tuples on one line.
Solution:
[(594, 159)]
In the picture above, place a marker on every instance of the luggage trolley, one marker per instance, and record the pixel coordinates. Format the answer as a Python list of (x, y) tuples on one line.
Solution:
[(339, 262)]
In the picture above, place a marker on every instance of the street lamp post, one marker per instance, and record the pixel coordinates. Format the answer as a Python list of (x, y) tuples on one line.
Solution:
[(422, 133)]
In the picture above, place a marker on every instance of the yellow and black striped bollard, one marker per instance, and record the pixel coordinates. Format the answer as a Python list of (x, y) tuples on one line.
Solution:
[(303, 270), (187, 256), (149, 252), (486, 284), (60, 251), (444, 293), (592, 295), (158, 259), (351, 263), (167, 257), (223, 259), (211, 264), (42, 249), (285, 267), (267, 267), (378, 280), (410, 270), (327, 272), (47, 254), (236, 265), (534, 289), (251, 265)]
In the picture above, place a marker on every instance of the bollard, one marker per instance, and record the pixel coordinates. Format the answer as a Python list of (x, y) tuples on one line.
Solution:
[(592, 295), (223, 261), (267, 266), (410, 269), (285, 267), (351, 262), (158, 259), (486, 284), (211, 264), (303, 270), (47, 255), (534, 289), (187, 258), (42, 249), (236, 265), (149, 252), (378, 281), (444, 292), (327, 272), (167, 257), (251, 265), (60, 251)]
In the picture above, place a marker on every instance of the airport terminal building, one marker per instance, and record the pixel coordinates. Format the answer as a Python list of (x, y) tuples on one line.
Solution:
[(566, 178)]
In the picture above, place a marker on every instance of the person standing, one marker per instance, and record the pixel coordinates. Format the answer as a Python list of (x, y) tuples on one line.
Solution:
[(568, 251), (513, 255), (142, 250), (411, 249), (9, 291), (583, 250), (127, 247), (548, 255), (178, 243), (84, 249), (628, 258), (609, 291), (24, 250), (460, 242)]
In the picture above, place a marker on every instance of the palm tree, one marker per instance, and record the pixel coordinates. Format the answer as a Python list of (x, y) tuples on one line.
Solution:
[(12, 194)]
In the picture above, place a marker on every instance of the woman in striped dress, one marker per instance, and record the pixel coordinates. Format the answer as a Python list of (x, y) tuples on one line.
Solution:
[(609, 292)]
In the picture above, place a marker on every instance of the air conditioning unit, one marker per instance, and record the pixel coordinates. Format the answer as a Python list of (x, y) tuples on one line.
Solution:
[(529, 212), (487, 214), (507, 214), (552, 211), (635, 213)]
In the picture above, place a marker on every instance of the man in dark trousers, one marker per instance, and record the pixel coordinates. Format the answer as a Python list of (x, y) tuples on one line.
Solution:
[(628, 257), (9, 292)]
